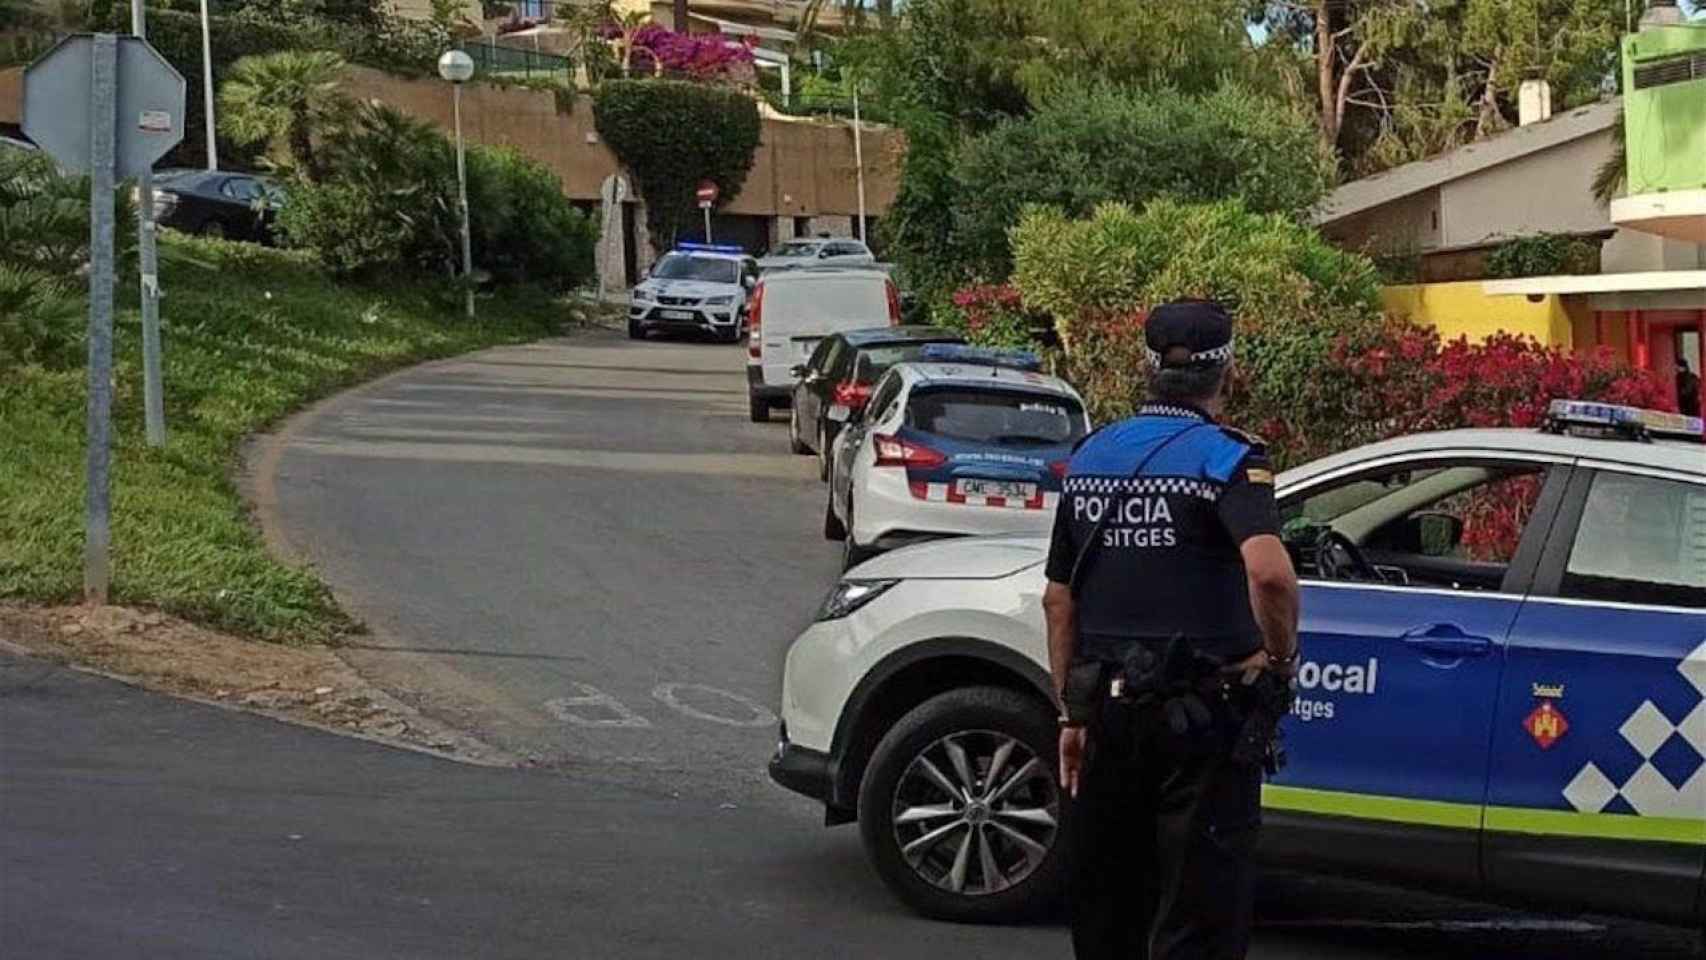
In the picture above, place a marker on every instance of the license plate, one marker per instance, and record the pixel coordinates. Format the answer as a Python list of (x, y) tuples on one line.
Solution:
[(995, 488), (678, 315)]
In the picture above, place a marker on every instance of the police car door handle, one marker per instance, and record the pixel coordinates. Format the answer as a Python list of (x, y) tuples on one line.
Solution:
[(1447, 640)]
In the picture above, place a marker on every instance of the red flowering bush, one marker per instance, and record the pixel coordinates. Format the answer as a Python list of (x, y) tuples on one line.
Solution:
[(700, 56), (994, 314)]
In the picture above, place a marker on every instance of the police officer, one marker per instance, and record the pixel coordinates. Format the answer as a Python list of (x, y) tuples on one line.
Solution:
[(1170, 600)]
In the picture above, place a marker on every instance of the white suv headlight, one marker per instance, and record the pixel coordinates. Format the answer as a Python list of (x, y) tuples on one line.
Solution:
[(849, 595), (719, 301), (642, 295)]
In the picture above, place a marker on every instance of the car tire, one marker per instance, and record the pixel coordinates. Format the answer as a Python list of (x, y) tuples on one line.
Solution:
[(733, 336), (635, 331), (794, 442), (979, 721), (832, 528), (757, 408)]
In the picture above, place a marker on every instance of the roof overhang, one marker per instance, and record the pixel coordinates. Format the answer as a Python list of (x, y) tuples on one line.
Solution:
[(1677, 214), (738, 29), (1655, 290), (1367, 193)]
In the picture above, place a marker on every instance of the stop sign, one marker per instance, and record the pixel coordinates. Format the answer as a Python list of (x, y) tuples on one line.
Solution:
[(706, 192)]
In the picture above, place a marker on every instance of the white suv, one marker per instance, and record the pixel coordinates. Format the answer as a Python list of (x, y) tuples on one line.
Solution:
[(694, 288), (818, 251), (1504, 642)]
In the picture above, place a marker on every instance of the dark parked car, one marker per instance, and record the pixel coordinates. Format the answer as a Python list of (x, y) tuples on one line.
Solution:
[(217, 203), (836, 380)]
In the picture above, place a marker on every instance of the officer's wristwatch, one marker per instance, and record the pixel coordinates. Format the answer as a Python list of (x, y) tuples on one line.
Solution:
[(1285, 661)]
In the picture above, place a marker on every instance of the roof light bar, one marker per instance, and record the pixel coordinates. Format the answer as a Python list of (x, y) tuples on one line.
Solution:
[(981, 356), (711, 247), (1587, 418)]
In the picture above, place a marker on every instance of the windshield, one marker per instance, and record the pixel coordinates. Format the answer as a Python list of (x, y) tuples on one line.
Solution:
[(677, 266), (795, 250), (1004, 417)]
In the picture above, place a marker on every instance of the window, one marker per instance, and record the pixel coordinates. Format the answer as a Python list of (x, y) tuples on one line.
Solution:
[(678, 266), (1008, 418), (240, 188), (819, 359), (835, 358), (1640, 540), (882, 401), (1450, 525)]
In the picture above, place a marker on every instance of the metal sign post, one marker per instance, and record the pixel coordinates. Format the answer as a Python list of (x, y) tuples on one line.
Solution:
[(109, 106), (153, 400), (103, 105), (707, 194)]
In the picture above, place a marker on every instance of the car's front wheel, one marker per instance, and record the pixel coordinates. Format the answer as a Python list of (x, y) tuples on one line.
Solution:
[(960, 811), (635, 331), (757, 409)]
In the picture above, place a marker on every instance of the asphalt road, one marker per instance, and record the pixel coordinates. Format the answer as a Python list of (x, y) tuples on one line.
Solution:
[(582, 552)]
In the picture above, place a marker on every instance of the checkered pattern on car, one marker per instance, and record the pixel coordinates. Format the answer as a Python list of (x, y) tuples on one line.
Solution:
[(1184, 486), (1671, 778)]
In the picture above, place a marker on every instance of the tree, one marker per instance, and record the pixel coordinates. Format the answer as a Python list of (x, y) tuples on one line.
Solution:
[(1080, 150), (283, 99)]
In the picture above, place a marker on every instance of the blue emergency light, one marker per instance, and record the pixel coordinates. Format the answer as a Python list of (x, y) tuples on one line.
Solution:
[(1587, 418), (710, 247), (981, 356)]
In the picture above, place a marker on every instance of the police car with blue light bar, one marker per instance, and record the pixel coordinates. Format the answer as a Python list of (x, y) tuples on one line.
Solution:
[(1502, 691), (696, 287), (964, 440)]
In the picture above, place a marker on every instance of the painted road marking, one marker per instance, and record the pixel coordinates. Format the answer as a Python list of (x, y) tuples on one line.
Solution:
[(666, 693), (594, 699)]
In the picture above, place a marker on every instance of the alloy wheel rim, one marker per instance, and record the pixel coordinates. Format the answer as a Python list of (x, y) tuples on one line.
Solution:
[(975, 813)]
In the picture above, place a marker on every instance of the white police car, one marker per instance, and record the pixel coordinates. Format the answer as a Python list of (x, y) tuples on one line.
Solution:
[(1503, 691), (696, 287), (963, 440)]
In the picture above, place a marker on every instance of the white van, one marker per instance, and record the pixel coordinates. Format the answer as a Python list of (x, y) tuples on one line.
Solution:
[(792, 310)]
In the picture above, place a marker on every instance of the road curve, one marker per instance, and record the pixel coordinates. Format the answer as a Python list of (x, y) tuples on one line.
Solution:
[(581, 552)]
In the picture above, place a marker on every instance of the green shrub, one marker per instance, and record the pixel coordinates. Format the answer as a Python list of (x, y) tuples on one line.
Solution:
[(673, 134), (1086, 146), (1294, 296), (391, 207), (524, 229), (1542, 255)]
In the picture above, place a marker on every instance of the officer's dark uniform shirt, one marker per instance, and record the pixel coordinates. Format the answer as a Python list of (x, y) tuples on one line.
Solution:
[(1165, 558)]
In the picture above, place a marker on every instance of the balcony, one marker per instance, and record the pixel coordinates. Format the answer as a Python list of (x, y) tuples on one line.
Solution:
[(1664, 83)]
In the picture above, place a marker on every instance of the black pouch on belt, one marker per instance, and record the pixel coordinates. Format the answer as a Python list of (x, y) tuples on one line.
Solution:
[(1084, 690)]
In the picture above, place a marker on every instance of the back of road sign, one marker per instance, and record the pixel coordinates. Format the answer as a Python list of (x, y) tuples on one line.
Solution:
[(57, 105)]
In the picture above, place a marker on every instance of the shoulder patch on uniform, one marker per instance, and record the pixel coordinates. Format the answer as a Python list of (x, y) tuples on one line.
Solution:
[(1243, 436), (1259, 475)]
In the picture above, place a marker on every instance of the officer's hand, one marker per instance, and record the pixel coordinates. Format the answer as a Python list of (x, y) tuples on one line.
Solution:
[(1071, 758), (1251, 667)]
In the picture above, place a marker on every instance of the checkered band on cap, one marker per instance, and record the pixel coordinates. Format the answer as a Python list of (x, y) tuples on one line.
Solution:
[(1220, 354), (1183, 486), (1168, 410)]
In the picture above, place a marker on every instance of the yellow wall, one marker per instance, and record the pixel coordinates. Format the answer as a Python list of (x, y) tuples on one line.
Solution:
[(1462, 309)]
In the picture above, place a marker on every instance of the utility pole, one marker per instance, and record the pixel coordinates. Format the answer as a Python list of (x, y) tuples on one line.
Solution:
[(153, 402), (207, 86), (859, 160)]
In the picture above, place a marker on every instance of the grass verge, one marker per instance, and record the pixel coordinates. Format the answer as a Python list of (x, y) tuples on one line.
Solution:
[(250, 335)]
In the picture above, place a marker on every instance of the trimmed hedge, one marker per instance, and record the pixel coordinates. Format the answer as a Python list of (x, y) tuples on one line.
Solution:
[(673, 134)]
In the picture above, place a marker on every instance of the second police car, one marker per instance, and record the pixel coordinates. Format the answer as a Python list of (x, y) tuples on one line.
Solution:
[(1502, 692), (963, 440), (696, 287)]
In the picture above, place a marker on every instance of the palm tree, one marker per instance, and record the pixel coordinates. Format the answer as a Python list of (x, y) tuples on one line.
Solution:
[(283, 98), (1608, 179)]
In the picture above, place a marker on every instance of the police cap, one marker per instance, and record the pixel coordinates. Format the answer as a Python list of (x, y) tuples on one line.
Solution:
[(1188, 333)]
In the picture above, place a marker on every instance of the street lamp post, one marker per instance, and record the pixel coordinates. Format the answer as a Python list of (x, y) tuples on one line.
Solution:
[(456, 67)]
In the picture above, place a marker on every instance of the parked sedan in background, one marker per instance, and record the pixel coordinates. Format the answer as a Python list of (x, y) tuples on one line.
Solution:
[(836, 381), (818, 251), (217, 203)]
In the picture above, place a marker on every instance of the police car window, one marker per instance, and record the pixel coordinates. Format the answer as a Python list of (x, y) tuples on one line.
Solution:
[(1456, 526), (1640, 540), (677, 266), (1004, 417), (882, 403)]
